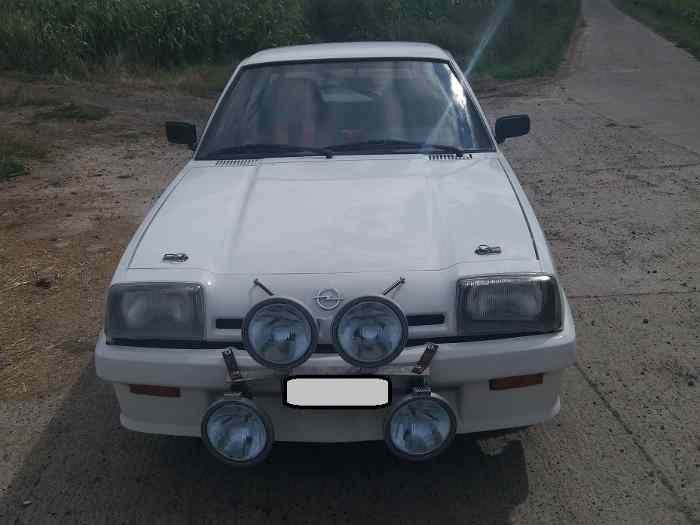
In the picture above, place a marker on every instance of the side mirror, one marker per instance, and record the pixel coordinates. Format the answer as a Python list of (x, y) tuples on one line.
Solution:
[(512, 126), (181, 133)]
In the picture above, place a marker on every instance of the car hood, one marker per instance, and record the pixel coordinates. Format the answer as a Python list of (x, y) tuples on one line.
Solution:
[(311, 216)]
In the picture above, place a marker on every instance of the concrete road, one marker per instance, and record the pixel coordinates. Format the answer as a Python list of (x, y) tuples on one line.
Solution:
[(624, 71), (618, 197)]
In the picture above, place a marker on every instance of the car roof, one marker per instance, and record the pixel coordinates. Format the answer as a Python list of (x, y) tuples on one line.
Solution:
[(348, 50)]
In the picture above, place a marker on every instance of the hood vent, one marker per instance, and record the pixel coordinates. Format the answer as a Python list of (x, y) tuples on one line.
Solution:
[(239, 163), (449, 156)]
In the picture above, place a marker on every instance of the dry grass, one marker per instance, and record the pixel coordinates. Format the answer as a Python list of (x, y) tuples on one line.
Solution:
[(75, 112)]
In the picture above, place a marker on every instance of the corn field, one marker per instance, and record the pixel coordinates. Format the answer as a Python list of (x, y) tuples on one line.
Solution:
[(75, 36)]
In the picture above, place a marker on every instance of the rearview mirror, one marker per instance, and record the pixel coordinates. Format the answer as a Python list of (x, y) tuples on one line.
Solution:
[(512, 126), (181, 133)]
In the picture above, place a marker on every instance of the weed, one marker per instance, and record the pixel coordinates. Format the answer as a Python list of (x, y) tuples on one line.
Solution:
[(10, 168)]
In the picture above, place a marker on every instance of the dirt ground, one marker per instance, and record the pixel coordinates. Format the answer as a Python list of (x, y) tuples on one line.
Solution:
[(64, 226), (617, 190)]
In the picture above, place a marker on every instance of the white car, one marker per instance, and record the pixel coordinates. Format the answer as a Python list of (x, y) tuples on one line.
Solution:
[(347, 256)]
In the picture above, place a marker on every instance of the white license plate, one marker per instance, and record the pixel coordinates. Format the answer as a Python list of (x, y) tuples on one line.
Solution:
[(337, 392)]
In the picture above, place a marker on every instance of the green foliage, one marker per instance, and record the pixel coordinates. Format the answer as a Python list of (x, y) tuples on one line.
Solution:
[(68, 35), (10, 168), (73, 36), (530, 40)]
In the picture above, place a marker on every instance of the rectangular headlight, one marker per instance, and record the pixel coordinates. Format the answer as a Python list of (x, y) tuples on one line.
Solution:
[(495, 305), (155, 311)]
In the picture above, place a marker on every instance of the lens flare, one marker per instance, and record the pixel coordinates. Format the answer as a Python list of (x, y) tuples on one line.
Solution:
[(494, 23)]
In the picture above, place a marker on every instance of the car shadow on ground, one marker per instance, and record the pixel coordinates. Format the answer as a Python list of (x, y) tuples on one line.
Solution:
[(85, 468)]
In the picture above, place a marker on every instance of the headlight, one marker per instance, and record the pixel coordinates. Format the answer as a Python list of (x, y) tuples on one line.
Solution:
[(237, 432), (420, 427), (369, 332), (147, 311), (508, 305), (279, 333)]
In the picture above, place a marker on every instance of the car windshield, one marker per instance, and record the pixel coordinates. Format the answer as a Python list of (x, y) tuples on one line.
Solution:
[(348, 107)]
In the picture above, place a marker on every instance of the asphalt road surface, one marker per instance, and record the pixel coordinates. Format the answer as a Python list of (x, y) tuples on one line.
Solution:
[(612, 167)]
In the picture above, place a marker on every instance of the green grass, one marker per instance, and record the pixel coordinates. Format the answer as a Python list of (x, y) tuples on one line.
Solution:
[(10, 169), (677, 20), (15, 150), (89, 37), (73, 111)]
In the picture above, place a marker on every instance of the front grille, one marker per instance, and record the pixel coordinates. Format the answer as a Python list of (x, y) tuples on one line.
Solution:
[(232, 323)]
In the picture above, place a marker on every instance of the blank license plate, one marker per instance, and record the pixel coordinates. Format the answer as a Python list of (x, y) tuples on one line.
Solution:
[(337, 392)]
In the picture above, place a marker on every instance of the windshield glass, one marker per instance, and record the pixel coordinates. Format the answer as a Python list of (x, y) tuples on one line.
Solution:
[(381, 106)]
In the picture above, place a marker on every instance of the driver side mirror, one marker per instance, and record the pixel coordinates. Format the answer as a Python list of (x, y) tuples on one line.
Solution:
[(512, 126), (181, 133)]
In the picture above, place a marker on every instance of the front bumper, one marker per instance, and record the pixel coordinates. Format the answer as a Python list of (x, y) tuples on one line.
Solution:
[(460, 372)]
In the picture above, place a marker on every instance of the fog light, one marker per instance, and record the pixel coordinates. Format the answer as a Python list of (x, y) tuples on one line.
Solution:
[(237, 432), (420, 426)]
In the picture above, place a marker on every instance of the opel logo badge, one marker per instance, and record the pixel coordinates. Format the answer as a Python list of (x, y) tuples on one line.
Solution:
[(328, 299)]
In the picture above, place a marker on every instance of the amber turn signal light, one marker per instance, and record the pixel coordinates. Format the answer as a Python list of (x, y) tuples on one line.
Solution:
[(153, 390), (505, 383)]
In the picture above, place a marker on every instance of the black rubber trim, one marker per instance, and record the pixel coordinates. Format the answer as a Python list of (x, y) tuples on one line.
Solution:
[(425, 319), (229, 324), (232, 323)]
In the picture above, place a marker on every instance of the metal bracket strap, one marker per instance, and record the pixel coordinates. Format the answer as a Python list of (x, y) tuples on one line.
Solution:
[(425, 360), (264, 288), (234, 373), (421, 368)]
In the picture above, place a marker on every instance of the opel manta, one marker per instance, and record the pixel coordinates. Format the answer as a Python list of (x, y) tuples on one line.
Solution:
[(348, 256)]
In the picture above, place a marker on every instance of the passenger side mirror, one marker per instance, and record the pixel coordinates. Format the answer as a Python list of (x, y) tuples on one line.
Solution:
[(512, 126), (181, 133)]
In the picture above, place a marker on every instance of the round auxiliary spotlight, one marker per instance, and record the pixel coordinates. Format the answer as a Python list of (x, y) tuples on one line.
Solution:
[(420, 426), (279, 333), (237, 432), (369, 332)]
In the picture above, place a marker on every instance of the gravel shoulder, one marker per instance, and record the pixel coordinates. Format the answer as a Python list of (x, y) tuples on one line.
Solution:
[(616, 190)]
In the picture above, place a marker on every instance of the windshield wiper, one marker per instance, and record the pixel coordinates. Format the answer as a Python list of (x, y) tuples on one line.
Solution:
[(396, 144), (265, 150)]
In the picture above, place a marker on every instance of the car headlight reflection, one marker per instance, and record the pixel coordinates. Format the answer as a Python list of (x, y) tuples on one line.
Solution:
[(370, 331), (279, 333), (237, 432), (420, 427)]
